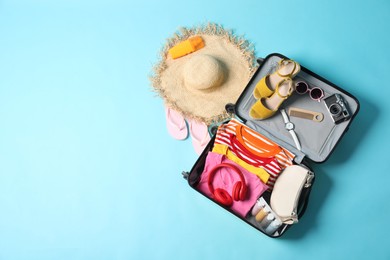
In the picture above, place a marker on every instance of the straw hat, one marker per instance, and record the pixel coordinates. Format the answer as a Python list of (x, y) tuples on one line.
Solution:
[(200, 84)]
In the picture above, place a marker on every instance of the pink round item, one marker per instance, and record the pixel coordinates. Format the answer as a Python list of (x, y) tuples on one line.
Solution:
[(225, 179)]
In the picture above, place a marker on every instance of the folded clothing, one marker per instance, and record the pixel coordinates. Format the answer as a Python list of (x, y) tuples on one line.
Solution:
[(254, 149), (224, 150), (225, 178)]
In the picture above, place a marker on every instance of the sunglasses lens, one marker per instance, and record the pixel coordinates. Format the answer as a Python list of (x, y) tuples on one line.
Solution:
[(301, 87), (316, 93)]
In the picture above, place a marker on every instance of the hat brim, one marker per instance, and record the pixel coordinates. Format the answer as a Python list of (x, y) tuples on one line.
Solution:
[(207, 106)]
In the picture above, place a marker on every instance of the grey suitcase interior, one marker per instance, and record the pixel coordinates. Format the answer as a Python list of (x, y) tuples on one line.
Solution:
[(318, 139)]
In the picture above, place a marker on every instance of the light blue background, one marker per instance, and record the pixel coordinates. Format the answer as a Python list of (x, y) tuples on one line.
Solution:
[(88, 170)]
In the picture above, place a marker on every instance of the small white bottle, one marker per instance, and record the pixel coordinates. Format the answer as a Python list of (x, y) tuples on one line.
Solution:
[(273, 226), (267, 220), (257, 207)]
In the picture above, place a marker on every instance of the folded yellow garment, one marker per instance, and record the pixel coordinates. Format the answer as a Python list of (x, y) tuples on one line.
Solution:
[(224, 150), (186, 47)]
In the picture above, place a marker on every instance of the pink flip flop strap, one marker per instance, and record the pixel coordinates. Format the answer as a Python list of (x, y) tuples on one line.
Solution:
[(172, 122), (196, 138)]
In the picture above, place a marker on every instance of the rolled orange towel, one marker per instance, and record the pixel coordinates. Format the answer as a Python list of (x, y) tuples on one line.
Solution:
[(186, 47)]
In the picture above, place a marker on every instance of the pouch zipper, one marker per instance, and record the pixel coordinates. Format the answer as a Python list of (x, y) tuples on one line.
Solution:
[(309, 179), (307, 184)]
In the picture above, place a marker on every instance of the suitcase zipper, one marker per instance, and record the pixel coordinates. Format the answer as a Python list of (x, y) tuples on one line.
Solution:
[(185, 174)]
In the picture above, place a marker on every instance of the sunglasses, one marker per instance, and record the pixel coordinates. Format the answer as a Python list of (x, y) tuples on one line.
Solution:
[(315, 93)]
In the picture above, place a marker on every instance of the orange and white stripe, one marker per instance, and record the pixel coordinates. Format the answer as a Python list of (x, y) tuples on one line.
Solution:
[(254, 148)]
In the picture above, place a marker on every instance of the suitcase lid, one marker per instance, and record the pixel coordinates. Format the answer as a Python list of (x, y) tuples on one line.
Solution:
[(317, 139)]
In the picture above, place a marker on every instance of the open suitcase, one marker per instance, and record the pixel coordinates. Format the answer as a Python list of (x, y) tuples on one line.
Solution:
[(307, 132)]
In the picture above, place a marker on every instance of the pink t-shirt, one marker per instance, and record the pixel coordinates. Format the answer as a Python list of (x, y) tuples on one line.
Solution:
[(225, 178)]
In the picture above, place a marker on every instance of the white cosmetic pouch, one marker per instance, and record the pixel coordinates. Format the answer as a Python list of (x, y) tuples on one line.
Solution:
[(287, 190)]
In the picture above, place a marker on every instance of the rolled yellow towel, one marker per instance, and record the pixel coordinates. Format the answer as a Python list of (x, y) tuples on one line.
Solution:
[(186, 47)]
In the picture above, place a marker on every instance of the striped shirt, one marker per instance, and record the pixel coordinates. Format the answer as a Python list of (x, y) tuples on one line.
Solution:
[(254, 149)]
